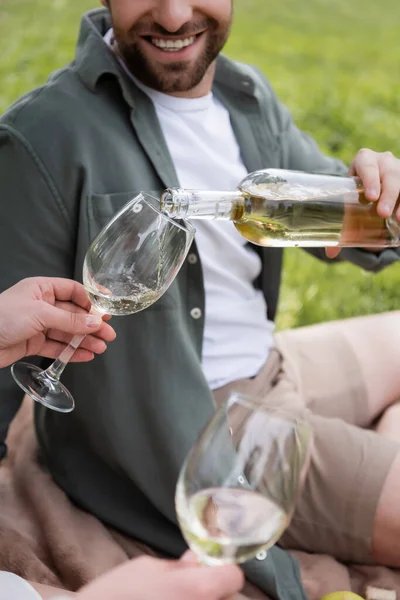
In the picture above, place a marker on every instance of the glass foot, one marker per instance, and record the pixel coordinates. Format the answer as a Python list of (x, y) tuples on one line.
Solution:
[(43, 389)]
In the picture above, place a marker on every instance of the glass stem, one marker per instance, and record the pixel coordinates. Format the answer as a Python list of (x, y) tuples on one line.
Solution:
[(55, 370), (57, 367)]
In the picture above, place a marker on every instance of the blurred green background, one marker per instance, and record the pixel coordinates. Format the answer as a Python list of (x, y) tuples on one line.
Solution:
[(335, 64)]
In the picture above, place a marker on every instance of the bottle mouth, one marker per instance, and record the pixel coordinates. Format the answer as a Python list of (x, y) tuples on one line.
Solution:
[(174, 202), (166, 200)]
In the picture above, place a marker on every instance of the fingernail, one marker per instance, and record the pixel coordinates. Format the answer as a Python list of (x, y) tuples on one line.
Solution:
[(372, 193), (92, 321), (386, 209)]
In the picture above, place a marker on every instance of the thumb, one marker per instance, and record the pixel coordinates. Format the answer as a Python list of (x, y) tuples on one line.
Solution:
[(69, 322), (190, 558), (332, 251)]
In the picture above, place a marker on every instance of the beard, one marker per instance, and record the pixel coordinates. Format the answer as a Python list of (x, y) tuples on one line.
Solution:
[(179, 76)]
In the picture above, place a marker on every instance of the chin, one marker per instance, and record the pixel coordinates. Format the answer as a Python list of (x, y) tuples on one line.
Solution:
[(178, 77)]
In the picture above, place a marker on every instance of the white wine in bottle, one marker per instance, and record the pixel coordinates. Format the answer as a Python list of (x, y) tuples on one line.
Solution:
[(281, 208)]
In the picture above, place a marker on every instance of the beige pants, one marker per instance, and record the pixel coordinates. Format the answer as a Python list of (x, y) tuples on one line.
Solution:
[(320, 374)]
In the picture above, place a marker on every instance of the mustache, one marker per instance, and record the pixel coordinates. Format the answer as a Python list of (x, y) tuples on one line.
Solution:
[(187, 29)]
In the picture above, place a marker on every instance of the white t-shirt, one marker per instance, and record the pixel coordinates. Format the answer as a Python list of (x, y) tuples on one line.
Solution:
[(206, 155)]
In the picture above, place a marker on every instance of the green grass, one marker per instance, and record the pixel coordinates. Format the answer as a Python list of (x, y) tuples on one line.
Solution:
[(335, 64)]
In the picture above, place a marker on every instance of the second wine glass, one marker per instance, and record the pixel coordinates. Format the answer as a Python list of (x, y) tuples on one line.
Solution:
[(238, 487), (128, 267)]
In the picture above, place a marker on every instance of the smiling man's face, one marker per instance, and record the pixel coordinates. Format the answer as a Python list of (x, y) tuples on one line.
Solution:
[(171, 45)]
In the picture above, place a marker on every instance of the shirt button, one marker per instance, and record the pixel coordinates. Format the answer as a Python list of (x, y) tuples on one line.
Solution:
[(192, 258), (262, 555), (196, 313)]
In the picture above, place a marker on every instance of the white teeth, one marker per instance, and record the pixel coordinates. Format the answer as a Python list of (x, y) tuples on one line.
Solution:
[(172, 45)]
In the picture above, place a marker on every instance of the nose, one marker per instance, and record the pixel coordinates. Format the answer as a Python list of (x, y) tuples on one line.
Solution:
[(172, 14)]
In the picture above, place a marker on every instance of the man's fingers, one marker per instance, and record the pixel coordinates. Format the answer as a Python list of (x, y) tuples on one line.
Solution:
[(70, 322), (390, 194), (92, 343), (105, 332), (53, 349), (332, 252), (190, 558), (365, 166), (209, 583), (380, 176), (81, 355), (66, 290)]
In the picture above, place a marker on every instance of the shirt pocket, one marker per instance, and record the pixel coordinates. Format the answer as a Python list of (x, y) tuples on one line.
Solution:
[(101, 208)]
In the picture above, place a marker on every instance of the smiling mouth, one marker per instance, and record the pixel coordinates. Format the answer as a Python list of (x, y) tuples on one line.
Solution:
[(172, 45)]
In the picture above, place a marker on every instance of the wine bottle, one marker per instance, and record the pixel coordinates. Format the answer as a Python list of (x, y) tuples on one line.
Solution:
[(282, 208)]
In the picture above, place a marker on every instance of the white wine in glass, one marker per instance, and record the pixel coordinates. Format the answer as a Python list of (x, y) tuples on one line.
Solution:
[(238, 487), (128, 267)]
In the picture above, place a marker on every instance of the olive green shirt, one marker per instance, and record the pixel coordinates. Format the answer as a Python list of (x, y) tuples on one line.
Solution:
[(71, 153)]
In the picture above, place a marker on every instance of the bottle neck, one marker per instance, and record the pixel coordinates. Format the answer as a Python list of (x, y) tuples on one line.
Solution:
[(180, 203)]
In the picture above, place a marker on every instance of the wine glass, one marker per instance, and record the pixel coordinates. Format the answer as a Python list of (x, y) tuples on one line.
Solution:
[(238, 487), (128, 267)]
